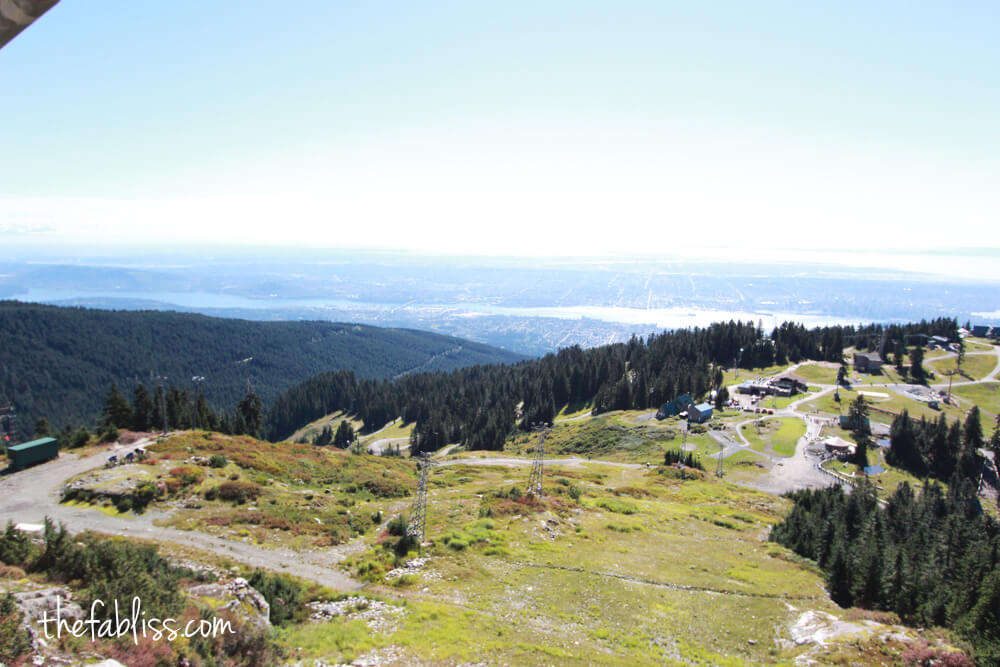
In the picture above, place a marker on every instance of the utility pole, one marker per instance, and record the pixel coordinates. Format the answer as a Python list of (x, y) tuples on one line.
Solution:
[(535, 479), (418, 511)]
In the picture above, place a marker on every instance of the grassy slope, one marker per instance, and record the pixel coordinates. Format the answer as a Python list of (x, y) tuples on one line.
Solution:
[(975, 367), (614, 566), (311, 431), (605, 581), (777, 436), (816, 373), (895, 404)]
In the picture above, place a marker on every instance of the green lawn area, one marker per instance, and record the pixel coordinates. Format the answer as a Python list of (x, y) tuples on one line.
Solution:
[(977, 344), (397, 430), (575, 409), (889, 375), (309, 432), (975, 366), (816, 373), (776, 436), (616, 436), (987, 396), (741, 465), (895, 404)]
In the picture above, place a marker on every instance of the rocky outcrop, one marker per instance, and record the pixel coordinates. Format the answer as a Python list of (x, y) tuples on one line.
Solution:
[(237, 596)]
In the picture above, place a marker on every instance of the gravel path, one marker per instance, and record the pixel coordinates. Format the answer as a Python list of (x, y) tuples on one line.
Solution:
[(31, 495)]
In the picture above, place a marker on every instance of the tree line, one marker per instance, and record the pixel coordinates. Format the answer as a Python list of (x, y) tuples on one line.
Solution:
[(933, 558), (481, 406), (935, 448), (58, 362)]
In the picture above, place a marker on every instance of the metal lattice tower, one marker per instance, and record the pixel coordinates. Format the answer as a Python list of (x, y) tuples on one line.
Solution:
[(418, 512), (535, 479), (718, 466)]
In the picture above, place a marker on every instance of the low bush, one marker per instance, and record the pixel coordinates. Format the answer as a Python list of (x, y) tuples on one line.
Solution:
[(284, 594), (238, 492), (618, 506), (188, 474)]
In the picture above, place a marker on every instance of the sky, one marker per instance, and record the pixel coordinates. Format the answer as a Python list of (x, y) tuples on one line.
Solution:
[(733, 129)]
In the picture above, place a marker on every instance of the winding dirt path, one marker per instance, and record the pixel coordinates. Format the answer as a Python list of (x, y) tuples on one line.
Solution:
[(31, 495)]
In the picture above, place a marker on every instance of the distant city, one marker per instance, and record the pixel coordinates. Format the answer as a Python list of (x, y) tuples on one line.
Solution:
[(532, 307)]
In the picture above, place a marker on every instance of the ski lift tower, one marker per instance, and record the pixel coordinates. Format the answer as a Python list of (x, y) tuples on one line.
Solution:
[(416, 526), (535, 479)]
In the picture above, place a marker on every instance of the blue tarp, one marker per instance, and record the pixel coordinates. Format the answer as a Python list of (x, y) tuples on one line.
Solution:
[(883, 442), (874, 470)]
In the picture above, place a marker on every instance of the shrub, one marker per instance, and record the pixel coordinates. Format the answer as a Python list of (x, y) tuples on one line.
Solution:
[(14, 640), (217, 461), (81, 437), (15, 547), (238, 492), (397, 526), (173, 485), (144, 494), (110, 434), (406, 544), (618, 506), (124, 504), (284, 594), (188, 474)]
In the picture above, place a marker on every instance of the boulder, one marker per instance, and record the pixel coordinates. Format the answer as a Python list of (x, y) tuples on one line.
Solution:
[(47, 601), (239, 597)]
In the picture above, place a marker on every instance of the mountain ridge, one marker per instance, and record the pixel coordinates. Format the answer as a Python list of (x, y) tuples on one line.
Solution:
[(58, 362)]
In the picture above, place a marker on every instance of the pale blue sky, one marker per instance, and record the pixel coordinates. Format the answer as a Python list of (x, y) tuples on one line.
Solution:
[(538, 128)]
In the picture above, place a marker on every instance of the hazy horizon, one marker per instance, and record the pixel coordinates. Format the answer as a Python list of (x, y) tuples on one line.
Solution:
[(861, 135)]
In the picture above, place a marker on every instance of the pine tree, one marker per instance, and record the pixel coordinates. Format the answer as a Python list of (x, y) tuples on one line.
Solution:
[(251, 414), (117, 411), (995, 441), (142, 409), (344, 436), (917, 364), (156, 418)]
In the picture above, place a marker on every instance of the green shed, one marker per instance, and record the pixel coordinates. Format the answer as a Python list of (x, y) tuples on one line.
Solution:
[(27, 453)]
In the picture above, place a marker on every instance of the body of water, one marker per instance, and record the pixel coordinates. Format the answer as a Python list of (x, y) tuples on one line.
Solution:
[(659, 318)]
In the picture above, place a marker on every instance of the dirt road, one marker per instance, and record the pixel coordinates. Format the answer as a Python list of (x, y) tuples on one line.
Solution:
[(31, 495)]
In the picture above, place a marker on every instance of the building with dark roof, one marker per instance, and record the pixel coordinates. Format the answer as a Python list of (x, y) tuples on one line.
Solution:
[(867, 362)]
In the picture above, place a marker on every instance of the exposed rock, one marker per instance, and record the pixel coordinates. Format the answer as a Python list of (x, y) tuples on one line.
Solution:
[(48, 602), (380, 616), (410, 567), (239, 597)]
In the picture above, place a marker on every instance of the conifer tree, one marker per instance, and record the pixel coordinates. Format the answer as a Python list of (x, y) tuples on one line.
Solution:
[(117, 411), (142, 409)]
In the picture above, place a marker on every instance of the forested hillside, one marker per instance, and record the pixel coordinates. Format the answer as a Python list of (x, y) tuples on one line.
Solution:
[(933, 557), (479, 406), (58, 363)]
